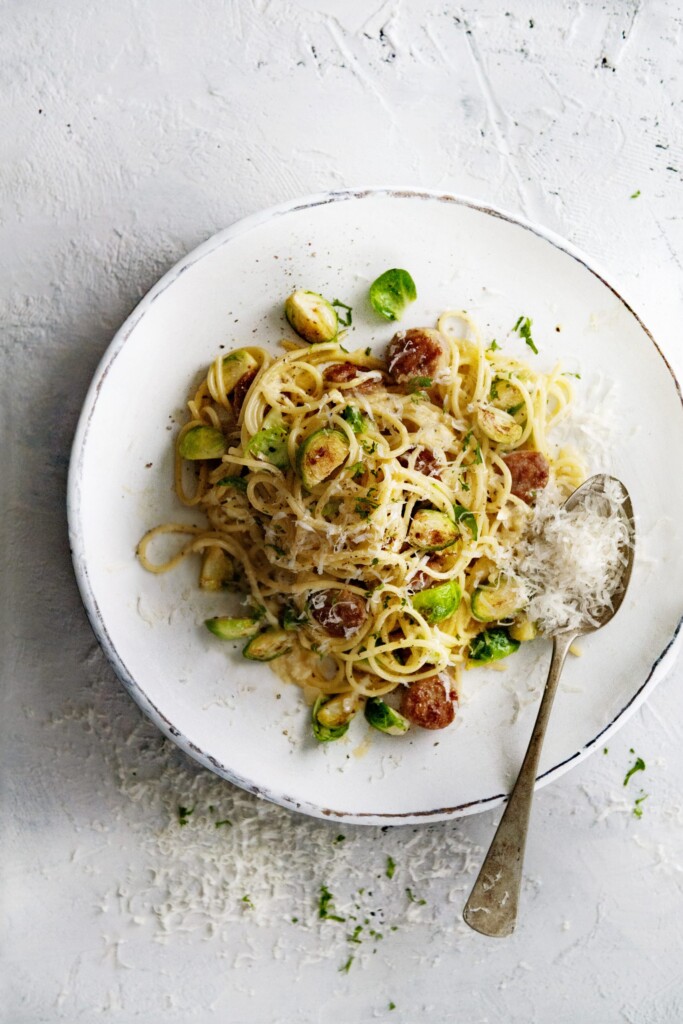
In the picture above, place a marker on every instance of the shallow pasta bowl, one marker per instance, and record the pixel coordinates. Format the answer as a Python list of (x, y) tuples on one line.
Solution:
[(236, 717)]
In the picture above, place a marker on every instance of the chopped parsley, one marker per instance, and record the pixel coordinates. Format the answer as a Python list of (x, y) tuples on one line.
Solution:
[(635, 194), (413, 899), (368, 351), (364, 507), (567, 374), (348, 319), (356, 470), (340, 839), (278, 551), (493, 393), (514, 409), (225, 821), (639, 766), (391, 867), (523, 328), (345, 968), (326, 906), (418, 384), (392, 1005), (246, 899), (494, 346), (356, 932), (637, 807), (184, 814)]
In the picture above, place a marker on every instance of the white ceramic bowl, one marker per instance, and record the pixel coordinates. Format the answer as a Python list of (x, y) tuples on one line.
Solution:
[(237, 718)]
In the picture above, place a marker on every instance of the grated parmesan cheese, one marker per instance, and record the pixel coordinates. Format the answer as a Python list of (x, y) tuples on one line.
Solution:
[(570, 562)]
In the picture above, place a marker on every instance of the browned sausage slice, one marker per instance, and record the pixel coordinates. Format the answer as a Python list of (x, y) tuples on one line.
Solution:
[(427, 704), (341, 613), (241, 389), (344, 373), (530, 472), (418, 352)]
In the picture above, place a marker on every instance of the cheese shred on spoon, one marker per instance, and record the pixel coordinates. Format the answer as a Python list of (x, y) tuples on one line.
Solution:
[(570, 562)]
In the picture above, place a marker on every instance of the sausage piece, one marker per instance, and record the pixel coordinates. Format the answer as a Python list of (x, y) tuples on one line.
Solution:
[(427, 704), (426, 462), (343, 373), (341, 613), (530, 472), (241, 389), (418, 352)]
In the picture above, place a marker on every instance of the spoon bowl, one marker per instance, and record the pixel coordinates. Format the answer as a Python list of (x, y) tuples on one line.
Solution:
[(493, 903)]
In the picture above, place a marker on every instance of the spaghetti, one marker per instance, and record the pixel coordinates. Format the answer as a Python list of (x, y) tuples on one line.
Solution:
[(381, 574)]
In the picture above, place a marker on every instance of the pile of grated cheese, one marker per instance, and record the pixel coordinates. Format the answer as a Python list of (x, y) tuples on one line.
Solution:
[(570, 562)]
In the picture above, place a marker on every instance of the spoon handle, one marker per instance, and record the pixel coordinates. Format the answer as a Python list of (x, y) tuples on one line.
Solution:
[(492, 906)]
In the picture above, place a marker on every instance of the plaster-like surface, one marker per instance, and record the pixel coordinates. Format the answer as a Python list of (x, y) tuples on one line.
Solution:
[(131, 132)]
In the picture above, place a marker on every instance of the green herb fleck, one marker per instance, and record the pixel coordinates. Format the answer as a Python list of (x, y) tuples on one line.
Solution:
[(295, 920), (639, 766), (635, 194), (494, 346), (345, 968), (413, 899), (467, 518), (280, 552), (418, 384), (605, 750), (364, 507), (368, 351), (225, 821), (493, 393), (326, 906), (391, 867), (514, 409), (183, 814), (342, 305), (356, 932), (523, 328), (392, 1005), (340, 839), (354, 418), (637, 809), (238, 482), (246, 899)]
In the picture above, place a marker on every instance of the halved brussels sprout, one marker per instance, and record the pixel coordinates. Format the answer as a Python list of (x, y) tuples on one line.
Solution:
[(203, 443), (312, 317), (320, 454), (232, 629), (270, 443), (217, 569), (331, 716), (498, 425), (391, 293), (270, 644), (235, 365), (506, 395), (383, 717), (431, 530), (492, 645), (495, 601), (438, 603)]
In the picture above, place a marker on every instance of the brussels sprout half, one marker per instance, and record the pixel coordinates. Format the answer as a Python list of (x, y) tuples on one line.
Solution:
[(312, 317), (331, 715), (431, 530), (235, 365), (492, 645), (203, 443), (232, 629), (320, 454), (217, 571), (498, 425), (267, 646), (391, 293), (270, 443), (383, 717), (438, 603)]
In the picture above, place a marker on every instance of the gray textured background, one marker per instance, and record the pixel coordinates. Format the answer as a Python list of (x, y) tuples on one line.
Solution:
[(131, 132)]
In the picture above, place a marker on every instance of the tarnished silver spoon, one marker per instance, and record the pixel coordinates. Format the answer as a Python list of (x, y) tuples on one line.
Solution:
[(492, 905)]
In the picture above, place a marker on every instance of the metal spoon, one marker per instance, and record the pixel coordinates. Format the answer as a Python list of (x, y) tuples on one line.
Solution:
[(492, 906)]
